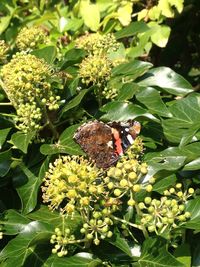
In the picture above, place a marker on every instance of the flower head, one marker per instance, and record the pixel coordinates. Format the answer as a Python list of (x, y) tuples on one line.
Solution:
[(30, 38)]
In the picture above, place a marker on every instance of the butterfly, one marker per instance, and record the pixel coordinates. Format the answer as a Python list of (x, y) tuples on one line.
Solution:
[(106, 142)]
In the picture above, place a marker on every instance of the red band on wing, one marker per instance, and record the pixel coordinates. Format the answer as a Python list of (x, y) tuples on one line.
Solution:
[(118, 142)]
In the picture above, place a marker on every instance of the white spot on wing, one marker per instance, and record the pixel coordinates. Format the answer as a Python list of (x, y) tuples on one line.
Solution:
[(110, 144), (130, 139)]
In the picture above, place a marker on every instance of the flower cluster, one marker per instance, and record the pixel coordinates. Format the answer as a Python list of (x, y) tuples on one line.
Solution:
[(75, 186), (95, 70), (30, 38), (27, 83), (96, 43), (3, 51), (167, 213), (71, 180)]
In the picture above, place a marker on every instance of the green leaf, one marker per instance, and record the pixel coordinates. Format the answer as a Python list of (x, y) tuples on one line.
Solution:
[(5, 162), (65, 145), (120, 243), (122, 111), (3, 135), (164, 183), (160, 35), (132, 29), (167, 79), (43, 214), (29, 192), (47, 53), (169, 163), (183, 254), (193, 206), (83, 259), (72, 56), (154, 254), (185, 121), (134, 69), (127, 91), (75, 101), (21, 140), (22, 246), (13, 222), (150, 97), (90, 14)]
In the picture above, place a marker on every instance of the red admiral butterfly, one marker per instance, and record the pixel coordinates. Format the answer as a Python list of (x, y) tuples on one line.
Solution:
[(105, 143)]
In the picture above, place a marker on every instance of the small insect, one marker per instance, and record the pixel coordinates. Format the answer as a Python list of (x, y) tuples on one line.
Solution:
[(106, 142)]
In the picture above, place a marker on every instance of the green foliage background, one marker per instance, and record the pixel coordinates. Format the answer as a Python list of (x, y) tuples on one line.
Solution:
[(150, 89)]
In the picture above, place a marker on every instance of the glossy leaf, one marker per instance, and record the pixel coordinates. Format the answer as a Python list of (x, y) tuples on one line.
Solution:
[(21, 140), (5, 162), (122, 111), (168, 80), (133, 69), (164, 183), (132, 29), (185, 120), (19, 248), (127, 91), (29, 192), (154, 254), (13, 222), (193, 206), (183, 254), (3, 135), (47, 53), (43, 214), (75, 101), (78, 260), (150, 97), (66, 144)]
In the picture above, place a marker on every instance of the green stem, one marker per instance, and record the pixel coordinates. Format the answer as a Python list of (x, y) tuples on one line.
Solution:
[(125, 222), (144, 230), (6, 104)]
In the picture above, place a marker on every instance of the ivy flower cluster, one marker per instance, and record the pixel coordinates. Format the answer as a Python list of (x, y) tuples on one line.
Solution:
[(30, 38), (74, 185), (3, 51), (96, 68), (167, 213), (96, 43), (27, 83)]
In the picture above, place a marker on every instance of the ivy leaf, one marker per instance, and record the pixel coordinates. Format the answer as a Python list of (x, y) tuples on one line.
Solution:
[(75, 101), (133, 69), (150, 97), (185, 121), (120, 243), (18, 249), (132, 29), (154, 254), (164, 184), (3, 135), (127, 91), (13, 222), (93, 20), (5, 162), (65, 144), (160, 34), (21, 140), (29, 192), (47, 53), (43, 214), (79, 260), (183, 254), (122, 111), (168, 80), (193, 206)]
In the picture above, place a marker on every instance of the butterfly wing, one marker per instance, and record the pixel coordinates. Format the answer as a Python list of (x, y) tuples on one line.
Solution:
[(96, 139)]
